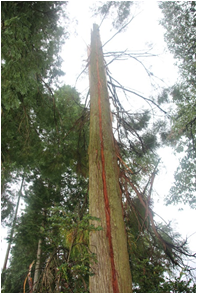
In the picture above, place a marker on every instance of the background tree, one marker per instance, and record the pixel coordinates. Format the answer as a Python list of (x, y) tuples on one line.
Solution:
[(31, 39), (179, 21), (50, 182), (119, 11)]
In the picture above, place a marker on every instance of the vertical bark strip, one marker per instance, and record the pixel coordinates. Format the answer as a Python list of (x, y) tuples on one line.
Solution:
[(107, 207), (13, 226), (112, 271), (37, 266)]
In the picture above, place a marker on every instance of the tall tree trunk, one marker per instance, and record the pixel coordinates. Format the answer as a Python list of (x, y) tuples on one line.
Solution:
[(37, 267), (112, 271), (13, 226)]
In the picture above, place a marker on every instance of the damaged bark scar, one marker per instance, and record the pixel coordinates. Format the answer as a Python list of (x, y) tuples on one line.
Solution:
[(106, 199)]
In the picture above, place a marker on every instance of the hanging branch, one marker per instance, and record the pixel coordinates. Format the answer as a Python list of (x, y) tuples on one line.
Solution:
[(114, 95), (118, 85), (146, 99), (82, 71), (123, 89), (121, 120), (29, 278), (132, 207), (114, 88), (125, 56), (151, 181), (53, 98), (172, 250), (79, 122)]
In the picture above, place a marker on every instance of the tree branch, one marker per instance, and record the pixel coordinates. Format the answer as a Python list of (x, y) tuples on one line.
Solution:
[(146, 99)]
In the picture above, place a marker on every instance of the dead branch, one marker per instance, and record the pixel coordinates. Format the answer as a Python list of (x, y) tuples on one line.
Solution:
[(135, 93)]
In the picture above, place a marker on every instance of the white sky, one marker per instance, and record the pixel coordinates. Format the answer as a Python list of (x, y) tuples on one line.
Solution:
[(142, 30)]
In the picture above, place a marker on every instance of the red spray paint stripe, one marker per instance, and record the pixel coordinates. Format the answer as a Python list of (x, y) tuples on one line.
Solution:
[(107, 207)]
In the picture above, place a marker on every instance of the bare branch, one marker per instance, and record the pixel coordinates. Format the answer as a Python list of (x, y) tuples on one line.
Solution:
[(123, 27), (146, 99)]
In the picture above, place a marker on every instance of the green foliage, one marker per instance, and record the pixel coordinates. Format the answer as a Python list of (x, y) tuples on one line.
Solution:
[(68, 235), (40, 141), (41, 219), (184, 185), (23, 252), (178, 285), (31, 38), (42, 131), (148, 263), (120, 11), (7, 206), (151, 267), (179, 20)]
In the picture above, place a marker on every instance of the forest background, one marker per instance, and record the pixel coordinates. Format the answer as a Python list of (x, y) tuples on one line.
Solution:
[(82, 88)]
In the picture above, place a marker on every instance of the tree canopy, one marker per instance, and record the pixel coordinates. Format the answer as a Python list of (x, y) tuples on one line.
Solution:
[(31, 40), (179, 21)]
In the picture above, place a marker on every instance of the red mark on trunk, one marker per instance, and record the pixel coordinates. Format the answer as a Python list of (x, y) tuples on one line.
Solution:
[(107, 207)]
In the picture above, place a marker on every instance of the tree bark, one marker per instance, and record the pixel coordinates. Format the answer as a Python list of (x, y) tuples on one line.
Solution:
[(37, 266), (112, 271), (13, 226)]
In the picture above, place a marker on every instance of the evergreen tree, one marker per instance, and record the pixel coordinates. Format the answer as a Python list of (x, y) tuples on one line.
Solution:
[(119, 10), (179, 21), (31, 40), (52, 181)]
